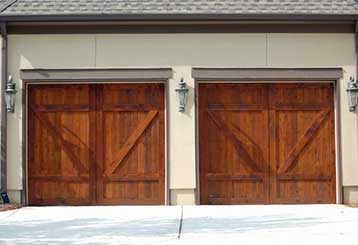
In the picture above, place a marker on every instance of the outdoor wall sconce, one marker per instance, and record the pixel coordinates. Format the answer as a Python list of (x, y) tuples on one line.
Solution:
[(5, 198), (10, 93), (182, 93), (352, 91)]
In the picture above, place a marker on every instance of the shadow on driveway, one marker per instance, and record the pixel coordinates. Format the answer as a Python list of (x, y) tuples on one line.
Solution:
[(117, 231)]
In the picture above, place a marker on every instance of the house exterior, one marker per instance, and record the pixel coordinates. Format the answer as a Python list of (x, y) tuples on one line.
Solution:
[(97, 117)]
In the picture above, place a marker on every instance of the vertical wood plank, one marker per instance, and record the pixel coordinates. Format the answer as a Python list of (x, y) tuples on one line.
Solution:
[(100, 143)]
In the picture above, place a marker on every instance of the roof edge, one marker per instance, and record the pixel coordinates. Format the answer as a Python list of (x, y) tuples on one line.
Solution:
[(90, 27), (176, 17)]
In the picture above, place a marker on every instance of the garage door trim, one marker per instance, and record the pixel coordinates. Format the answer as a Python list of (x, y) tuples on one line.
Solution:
[(119, 80), (267, 74), (92, 75), (230, 75)]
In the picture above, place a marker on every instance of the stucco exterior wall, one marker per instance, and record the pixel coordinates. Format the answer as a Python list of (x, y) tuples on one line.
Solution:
[(181, 52)]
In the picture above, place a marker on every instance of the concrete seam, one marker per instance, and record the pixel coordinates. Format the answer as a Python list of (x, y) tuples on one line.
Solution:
[(181, 222)]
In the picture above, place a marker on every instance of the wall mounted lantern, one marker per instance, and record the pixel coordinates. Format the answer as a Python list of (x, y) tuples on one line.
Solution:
[(352, 91), (182, 93), (10, 93), (5, 198)]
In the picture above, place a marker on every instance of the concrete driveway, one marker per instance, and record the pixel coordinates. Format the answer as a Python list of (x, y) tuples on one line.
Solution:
[(293, 224)]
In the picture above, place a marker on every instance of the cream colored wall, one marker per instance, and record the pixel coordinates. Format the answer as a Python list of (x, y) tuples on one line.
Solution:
[(350, 195), (182, 52), (182, 196)]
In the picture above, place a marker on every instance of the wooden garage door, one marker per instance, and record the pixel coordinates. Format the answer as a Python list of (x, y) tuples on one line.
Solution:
[(96, 144), (266, 143)]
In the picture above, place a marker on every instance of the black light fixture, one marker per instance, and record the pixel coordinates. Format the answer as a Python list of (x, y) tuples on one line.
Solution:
[(10, 93), (352, 92), (5, 198), (182, 93)]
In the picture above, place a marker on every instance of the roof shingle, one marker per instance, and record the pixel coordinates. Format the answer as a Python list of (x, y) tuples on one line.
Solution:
[(81, 7)]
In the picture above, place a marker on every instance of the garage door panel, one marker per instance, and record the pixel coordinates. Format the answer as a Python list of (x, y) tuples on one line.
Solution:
[(304, 167), (132, 192), (301, 191), (249, 128), (217, 143), (133, 154), (316, 153), (298, 96), (58, 136), (302, 140), (245, 191), (75, 131), (218, 190), (293, 125), (59, 193), (116, 140), (145, 97), (236, 141), (267, 143), (236, 191), (216, 161), (143, 156), (234, 96), (232, 150), (52, 95), (57, 144), (56, 190), (75, 134), (44, 147), (47, 145)]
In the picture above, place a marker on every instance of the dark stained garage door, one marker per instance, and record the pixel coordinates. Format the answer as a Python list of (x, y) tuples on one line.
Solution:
[(96, 144), (266, 143)]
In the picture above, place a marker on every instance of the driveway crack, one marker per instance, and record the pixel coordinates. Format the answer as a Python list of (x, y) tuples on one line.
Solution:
[(181, 221)]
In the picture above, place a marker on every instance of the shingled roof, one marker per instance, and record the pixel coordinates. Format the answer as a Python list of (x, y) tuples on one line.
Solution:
[(184, 7)]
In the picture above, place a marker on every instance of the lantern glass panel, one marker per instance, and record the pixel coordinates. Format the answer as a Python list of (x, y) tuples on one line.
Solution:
[(182, 97), (7, 100), (10, 101), (352, 99)]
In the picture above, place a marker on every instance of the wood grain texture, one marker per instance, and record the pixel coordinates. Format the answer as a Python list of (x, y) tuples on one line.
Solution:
[(131, 141), (286, 130), (233, 143), (58, 153), (136, 148), (56, 133), (78, 133), (303, 141), (236, 135)]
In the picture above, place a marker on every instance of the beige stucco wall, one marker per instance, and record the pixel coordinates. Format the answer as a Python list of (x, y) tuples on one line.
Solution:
[(182, 52)]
